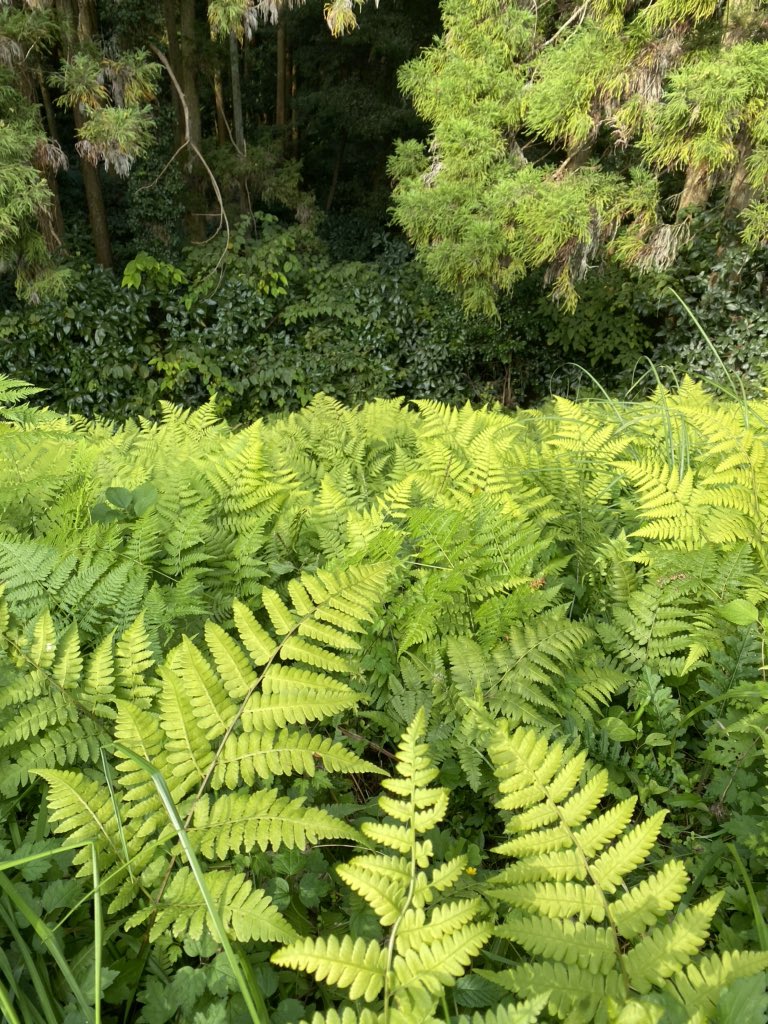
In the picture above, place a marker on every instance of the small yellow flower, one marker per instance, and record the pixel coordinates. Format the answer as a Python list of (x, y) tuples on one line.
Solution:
[(471, 871)]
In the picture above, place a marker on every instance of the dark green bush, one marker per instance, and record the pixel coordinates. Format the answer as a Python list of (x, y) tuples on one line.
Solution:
[(276, 323)]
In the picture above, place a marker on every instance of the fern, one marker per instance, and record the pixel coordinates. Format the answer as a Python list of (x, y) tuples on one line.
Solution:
[(221, 721), (428, 946), (573, 899)]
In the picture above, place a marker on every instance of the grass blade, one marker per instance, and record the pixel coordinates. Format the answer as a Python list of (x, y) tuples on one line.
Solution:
[(249, 989), (48, 939), (44, 998), (6, 1006), (760, 925), (98, 935)]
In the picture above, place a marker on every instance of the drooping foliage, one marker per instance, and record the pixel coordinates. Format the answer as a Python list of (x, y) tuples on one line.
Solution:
[(563, 136)]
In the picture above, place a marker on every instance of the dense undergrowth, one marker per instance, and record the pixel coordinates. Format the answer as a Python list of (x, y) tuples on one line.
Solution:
[(305, 718), (282, 314)]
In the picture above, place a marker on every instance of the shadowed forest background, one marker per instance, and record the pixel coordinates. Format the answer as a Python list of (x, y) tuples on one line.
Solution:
[(198, 198)]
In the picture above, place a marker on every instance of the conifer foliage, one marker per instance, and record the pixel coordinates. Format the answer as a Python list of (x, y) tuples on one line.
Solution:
[(582, 130)]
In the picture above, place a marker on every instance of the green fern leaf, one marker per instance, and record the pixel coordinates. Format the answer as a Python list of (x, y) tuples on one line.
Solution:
[(347, 1015), (258, 643), (648, 901), (82, 809), (133, 660), (231, 662), (187, 749), (350, 964), (283, 621), (293, 696), (97, 692), (250, 756), (263, 819), (617, 862), (69, 660), (213, 707), (698, 987), (416, 929), (573, 993), (381, 881), (42, 647), (569, 942), (664, 951), (527, 1012), (248, 914), (441, 961)]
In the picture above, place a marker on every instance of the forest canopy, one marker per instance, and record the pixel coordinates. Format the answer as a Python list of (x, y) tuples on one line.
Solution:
[(553, 137), (566, 134)]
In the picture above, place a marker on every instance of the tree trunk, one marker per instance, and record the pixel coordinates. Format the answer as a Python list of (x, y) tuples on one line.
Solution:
[(237, 116), (740, 191), (280, 104), (696, 189), (294, 123), (52, 227), (336, 169), (174, 58), (221, 116), (188, 81), (94, 197), (79, 25), (237, 95), (188, 78)]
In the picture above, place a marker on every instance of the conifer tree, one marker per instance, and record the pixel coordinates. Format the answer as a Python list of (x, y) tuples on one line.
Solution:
[(566, 134)]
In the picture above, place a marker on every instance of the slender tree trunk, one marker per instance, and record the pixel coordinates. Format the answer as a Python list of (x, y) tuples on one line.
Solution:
[(50, 113), (294, 122), (188, 81), (336, 170), (97, 213), (280, 104), (237, 95), (188, 77), (51, 221), (696, 189), (221, 116), (170, 18), (237, 115), (52, 226), (740, 191), (79, 24)]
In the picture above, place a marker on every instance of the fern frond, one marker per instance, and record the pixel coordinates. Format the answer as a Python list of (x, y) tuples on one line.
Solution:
[(699, 986), (571, 989), (649, 900), (569, 942), (263, 820), (134, 658), (248, 756), (82, 809), (664, 951), (571, 859), (436, 963), (248, 914), (527, 1012), (416, 928), (355, 965)]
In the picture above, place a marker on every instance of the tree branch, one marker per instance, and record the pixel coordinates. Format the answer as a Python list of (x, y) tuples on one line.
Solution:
[(189, 144)]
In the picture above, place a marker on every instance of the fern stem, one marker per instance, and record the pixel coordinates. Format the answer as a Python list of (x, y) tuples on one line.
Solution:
[(403, 910)]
